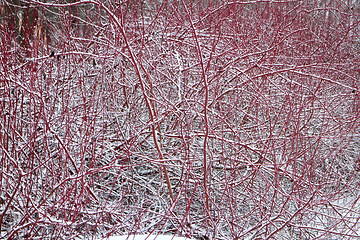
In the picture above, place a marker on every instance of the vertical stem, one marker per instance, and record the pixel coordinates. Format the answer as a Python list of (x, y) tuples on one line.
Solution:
[(206, 118), (149, 102)]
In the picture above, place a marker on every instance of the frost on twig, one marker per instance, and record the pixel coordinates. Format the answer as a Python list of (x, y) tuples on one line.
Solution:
[(202, 119)]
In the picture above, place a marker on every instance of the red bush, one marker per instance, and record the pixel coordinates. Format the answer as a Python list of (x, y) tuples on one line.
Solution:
[(231, 120)]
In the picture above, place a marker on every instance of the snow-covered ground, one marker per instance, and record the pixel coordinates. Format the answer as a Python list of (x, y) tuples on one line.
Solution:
[(147, 237)]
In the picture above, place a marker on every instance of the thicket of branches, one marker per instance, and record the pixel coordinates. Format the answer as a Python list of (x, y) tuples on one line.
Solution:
[(226, 120)]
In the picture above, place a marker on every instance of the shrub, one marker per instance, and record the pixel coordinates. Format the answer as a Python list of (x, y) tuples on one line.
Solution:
[(228, 120)]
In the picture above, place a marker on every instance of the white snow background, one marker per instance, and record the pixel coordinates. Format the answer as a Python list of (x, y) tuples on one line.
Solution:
[(146, 237)]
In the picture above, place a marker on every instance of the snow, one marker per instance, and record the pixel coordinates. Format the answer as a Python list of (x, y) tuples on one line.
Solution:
[(147, 237)]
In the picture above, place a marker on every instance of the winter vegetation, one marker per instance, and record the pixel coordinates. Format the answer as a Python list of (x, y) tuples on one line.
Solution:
[(200, 119), (147, 237)]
